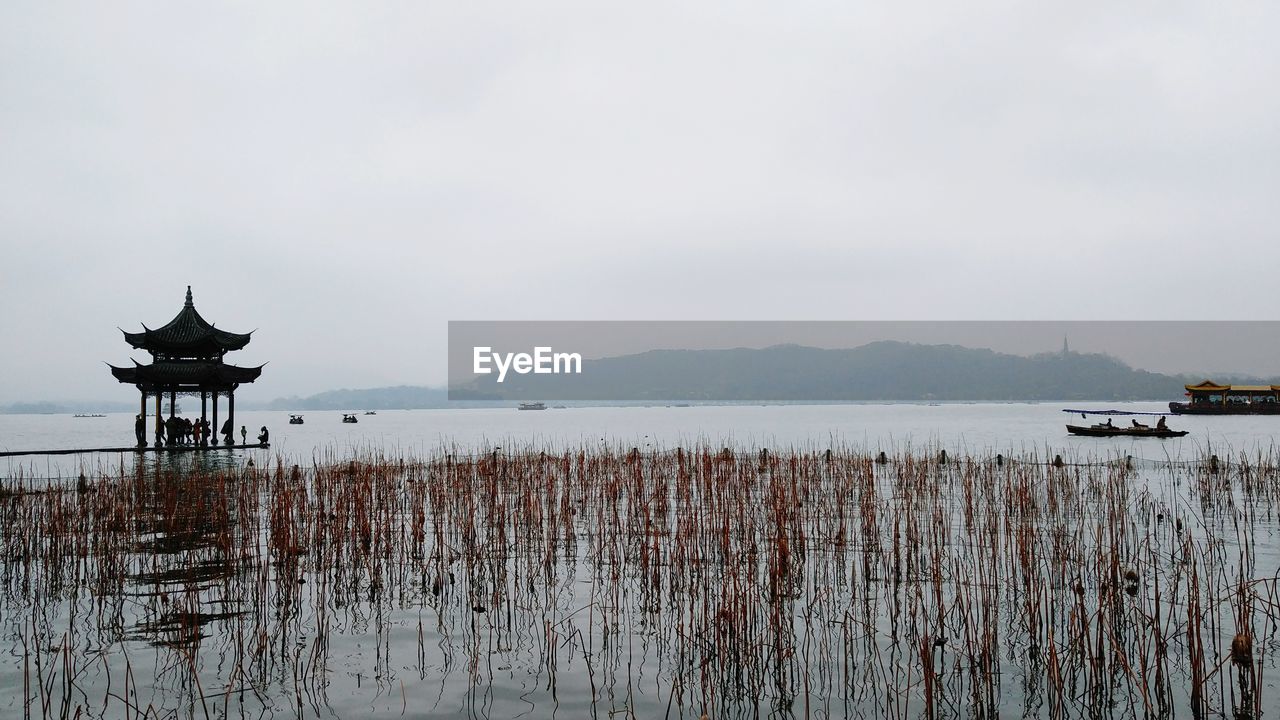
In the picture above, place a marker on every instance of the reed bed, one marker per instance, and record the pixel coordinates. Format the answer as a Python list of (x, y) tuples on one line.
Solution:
[(614, 582)]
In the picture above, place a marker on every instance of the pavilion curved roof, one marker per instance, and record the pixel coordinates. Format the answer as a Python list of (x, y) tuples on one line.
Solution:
[(187, 334), (168, 373)]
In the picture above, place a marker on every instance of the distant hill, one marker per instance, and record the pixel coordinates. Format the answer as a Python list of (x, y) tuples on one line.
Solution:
[(385, 398), (67, 408), (880, 371)]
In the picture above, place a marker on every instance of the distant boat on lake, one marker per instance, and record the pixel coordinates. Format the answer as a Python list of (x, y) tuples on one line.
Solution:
[(349, 418), (88, 416), (533, 406), (295, 419)]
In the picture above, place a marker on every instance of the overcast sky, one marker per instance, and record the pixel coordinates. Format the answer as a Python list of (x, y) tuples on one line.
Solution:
[(348, 178)]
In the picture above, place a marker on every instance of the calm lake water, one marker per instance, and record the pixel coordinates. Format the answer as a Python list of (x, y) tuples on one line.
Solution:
[(985, 428)]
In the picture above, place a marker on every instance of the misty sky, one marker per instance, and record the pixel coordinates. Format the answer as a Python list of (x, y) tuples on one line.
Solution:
[(348, 177)]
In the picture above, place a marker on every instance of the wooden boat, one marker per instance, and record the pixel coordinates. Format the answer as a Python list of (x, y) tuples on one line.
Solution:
[(349, 418), (1120, 431), (295, 419), (1108, 429)]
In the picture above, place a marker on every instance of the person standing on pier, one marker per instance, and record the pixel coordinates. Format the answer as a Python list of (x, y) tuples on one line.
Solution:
[(227, 433), (140, 430)]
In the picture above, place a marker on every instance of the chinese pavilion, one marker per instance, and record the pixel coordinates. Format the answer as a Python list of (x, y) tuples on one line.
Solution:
[(186, 356)]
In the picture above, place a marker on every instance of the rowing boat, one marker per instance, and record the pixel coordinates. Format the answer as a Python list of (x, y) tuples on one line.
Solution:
[(1102, 431)]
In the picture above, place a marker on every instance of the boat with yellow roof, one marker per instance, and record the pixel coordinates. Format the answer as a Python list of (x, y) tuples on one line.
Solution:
[(1210, 398)]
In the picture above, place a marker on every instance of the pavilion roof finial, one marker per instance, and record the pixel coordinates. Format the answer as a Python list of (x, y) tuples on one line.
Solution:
[(189, 303)]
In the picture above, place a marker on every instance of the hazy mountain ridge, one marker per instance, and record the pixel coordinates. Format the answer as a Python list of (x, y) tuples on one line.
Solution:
[(879, 371), (384, 398)]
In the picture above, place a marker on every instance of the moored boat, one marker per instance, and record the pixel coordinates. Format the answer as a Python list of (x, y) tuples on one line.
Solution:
[(1210, 398), (533, 406), (295, 419), (349, 418)]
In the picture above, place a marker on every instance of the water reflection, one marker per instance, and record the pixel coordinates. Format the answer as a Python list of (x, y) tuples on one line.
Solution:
[(184, 534)]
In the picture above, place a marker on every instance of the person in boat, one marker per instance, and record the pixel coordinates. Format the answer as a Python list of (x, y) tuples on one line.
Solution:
[(1139, 426), (1161, 425), (1107, 424), (264, 436)]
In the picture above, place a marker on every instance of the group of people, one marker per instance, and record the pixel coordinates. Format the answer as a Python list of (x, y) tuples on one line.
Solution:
[(1160, 425), (184, 431)]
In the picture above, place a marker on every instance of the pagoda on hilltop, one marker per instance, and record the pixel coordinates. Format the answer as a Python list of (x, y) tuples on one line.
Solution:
[(187, 359)]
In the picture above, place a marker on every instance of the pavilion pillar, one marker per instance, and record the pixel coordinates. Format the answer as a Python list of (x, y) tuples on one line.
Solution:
[(204, 396), (231, 417), (159, 418), (214, 427), (168, 436)]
